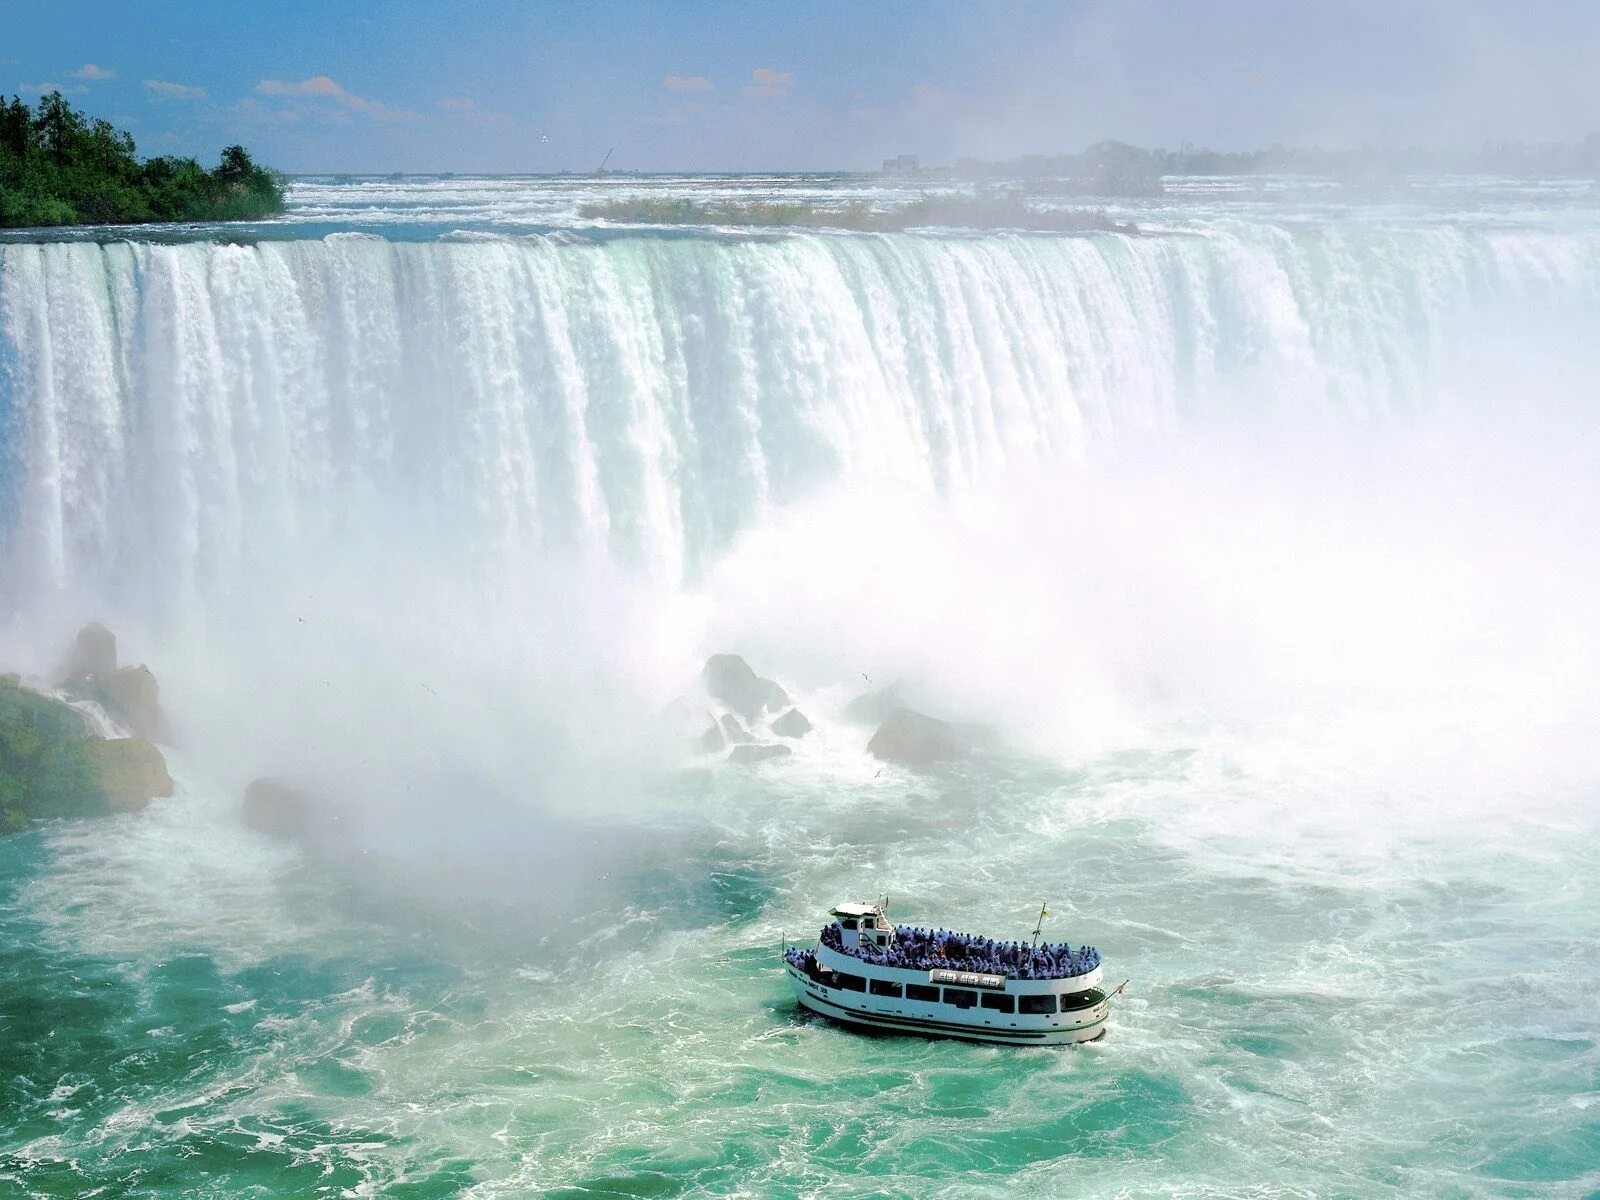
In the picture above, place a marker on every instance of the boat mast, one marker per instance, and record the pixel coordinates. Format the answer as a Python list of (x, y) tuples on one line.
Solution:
[(1043, 913)]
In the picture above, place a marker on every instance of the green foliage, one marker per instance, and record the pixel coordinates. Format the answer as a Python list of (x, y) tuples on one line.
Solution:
[(985, 210), (45, 769), (60, 167)]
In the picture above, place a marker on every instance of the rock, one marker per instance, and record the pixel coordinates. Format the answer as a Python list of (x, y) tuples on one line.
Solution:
[(736, 733), (792, 724), (52, 766), (712, 740), (728, 678), (128, 772), (278, 809), (873, 707), (44, 767), (93, 653), (756, 753), (131, 695), (917, 739)]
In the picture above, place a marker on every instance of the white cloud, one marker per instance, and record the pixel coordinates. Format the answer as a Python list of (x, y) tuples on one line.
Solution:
[(767, 82), (459, 104), (323, 88), (90, 71), (44, 89), (162, 90), (257, 113), (686, 83)]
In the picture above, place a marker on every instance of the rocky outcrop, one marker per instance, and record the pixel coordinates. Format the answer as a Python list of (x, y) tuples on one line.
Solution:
[(736, 733), (129, 694), (128, 773), (52, 765), (712, 740), (916, 739), (93, 653), (44, 770), (756, 753), (729, 679), (792, 724), (278, 809), (873, 707)]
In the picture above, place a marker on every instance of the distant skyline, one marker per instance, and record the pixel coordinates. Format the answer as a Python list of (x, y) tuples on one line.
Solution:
[(753, 85)]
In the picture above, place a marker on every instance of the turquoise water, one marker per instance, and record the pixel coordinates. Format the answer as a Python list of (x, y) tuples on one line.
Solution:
[(1262, 539)]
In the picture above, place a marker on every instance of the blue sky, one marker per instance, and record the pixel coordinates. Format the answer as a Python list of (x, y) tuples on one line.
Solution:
[(752, 85)]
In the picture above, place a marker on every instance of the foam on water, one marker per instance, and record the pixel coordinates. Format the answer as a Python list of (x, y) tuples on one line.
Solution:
[(1262, 535)]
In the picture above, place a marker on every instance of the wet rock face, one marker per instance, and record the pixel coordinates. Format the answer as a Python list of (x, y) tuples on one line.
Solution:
[(792, 724), (128, 772), (132, 695), (729, 679), (756, 753), (735, 733), (129, 694), (712, 740), (917, 740)]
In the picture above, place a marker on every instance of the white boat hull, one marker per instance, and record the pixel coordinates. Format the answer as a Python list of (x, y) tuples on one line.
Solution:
[(886, 1014)]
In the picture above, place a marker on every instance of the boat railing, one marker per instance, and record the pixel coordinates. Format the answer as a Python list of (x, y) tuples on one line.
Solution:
[(924, 949)]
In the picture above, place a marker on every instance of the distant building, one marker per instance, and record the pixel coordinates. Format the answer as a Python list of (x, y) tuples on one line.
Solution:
[(902, 164)]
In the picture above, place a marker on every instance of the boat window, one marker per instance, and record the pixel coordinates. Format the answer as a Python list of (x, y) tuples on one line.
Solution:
[(1034, 1005), (848, 923), (999, 1001), (866, 923), (882, 940), (850, 983), (921, 991), (882, 987), (960, 997), (1075, 1001)]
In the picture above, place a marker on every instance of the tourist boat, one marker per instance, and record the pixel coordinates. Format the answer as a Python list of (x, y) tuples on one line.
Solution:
[(868, 973)]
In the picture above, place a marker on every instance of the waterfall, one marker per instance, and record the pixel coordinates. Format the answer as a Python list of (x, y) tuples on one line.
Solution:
[(188, 412)]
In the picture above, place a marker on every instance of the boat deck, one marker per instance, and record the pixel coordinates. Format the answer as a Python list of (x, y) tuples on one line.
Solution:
[(916, 949)]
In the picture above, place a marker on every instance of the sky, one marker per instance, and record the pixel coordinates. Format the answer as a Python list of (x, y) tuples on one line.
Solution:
[(748, 85)]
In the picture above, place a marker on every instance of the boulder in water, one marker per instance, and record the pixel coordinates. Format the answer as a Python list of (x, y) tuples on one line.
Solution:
[(278, 809), (712, 739), (873, 707), (736, 733), (757, 753), (916, 739), (792, 724), (728, 678), (128, 773)]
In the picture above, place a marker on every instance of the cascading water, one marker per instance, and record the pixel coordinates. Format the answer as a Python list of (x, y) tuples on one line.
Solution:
[(1263, 531), (193, 414)]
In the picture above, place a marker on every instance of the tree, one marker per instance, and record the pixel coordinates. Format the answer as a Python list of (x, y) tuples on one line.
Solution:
[(58, 167)]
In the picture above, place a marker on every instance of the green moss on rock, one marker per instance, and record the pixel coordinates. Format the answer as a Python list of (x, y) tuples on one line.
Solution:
[(51, 765)]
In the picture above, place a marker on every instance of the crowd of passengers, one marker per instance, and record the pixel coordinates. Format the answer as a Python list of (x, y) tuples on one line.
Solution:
[(939, 949)]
